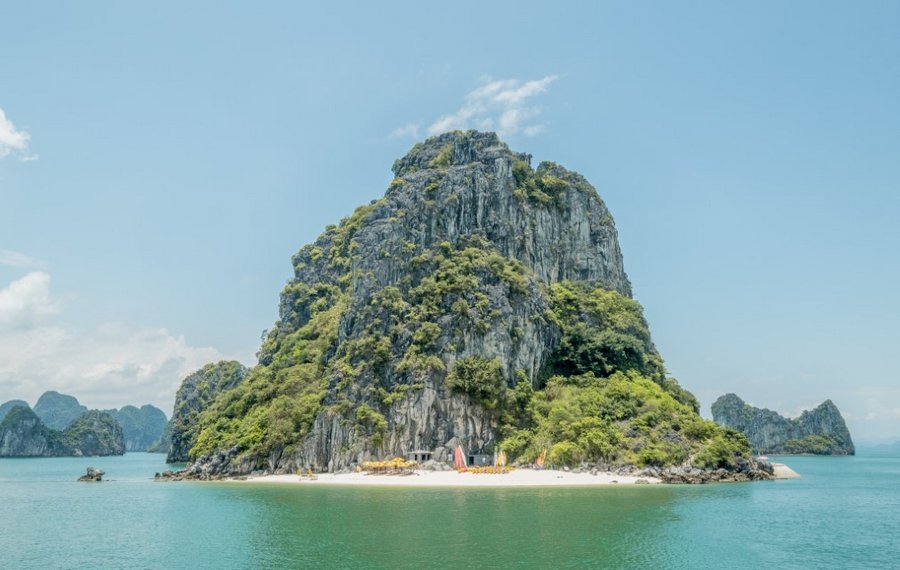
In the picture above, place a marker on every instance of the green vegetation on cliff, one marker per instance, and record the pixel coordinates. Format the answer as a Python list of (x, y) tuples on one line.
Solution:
[(197, 392), (602, 332), (277, 403)]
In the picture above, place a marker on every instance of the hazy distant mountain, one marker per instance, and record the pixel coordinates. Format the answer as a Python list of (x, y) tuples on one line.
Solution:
[(143, 426), (23, 434), (57, 410), (7, 406)]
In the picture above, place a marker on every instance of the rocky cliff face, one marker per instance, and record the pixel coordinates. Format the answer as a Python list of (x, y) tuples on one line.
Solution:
[(438, 315), (143, 427), (196, 393), (23, 434), (819, 431), (57, 410)]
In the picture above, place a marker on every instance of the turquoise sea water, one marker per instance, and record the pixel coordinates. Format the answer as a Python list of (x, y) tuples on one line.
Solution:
[(843, 513)]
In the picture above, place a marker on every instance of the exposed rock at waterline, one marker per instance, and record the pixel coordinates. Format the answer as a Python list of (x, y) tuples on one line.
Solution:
[(92, 475)]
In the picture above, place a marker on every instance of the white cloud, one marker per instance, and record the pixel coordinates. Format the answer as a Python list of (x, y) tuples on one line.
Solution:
[(504, 106), (13, 139), (109, 365), (16, 259), (26, 302), (409, 130)]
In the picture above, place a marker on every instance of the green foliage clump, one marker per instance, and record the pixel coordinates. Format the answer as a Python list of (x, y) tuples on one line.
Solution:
[(480, 378), (623, 419), (540, 188), (564, 453), (94, 433), (443, 157), (548, 185), (602, 332), (672, 386), (723, 450), (815, 444)]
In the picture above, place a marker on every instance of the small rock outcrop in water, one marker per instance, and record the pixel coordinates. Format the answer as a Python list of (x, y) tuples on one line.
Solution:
[(820, 431), (92, 475), (480, 303), (23, 434), (196, 393), (57, 410)]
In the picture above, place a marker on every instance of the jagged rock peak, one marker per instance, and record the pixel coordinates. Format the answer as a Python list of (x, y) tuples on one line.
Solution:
[(456, 148), (463, 186)]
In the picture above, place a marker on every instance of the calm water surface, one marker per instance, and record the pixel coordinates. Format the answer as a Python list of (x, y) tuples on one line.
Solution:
[(843, 513)]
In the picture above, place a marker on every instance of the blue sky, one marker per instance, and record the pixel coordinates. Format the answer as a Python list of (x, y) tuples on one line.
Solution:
[(161, 163)]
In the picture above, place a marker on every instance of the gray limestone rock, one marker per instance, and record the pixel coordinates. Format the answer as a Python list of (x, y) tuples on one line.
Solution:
[(92, 475)]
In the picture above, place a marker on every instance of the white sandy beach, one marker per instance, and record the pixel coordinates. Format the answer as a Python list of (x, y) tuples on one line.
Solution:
[(517, 478)]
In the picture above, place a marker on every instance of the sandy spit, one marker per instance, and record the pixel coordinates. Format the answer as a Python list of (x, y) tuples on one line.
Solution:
[(782, 471)]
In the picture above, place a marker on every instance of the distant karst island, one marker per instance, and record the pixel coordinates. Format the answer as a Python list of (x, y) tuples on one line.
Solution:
[(480, 309), (59, 425), (820, 431)]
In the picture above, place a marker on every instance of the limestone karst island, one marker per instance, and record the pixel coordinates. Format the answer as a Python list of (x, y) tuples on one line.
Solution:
[(477, 316)]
